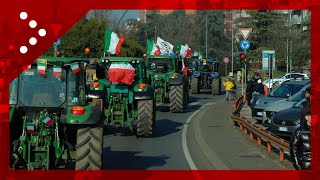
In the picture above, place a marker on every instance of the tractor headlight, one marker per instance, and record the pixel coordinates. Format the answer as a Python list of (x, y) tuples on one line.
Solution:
[(133, 62)]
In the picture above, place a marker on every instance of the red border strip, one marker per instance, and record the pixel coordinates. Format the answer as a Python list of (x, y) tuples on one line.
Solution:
[(55, 14)]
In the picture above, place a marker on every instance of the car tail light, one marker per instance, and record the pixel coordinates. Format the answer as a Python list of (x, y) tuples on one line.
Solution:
[(77, 110), (95, 84), (142, 86)]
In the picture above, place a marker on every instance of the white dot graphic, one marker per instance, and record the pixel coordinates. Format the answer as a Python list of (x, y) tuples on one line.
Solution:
[(33, 24), (33, 41), (23, 49), (42, 32), (23, 15)]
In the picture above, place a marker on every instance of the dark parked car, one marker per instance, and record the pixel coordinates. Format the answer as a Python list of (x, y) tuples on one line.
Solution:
[(285, 122)]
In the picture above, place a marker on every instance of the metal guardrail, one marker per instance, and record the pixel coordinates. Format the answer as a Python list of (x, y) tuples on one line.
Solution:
[(252, 129)]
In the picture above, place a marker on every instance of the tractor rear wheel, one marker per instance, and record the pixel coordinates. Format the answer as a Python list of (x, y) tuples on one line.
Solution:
[(177, 98), (146, 118), (216, 86), (89, 148), (195, 86)]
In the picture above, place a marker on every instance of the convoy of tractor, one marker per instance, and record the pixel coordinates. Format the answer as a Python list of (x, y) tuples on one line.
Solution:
[(59, 107)]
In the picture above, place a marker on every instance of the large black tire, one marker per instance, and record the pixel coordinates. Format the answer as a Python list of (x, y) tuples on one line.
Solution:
[(89, 148), (146, 118), (177, 98), (195, 86), (216, 86)]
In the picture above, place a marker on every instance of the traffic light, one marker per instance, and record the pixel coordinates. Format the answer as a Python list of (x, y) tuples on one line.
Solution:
[(242, 56), (58, 54)]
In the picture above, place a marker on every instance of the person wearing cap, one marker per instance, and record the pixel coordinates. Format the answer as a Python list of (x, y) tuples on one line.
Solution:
[(259, 90), (300, 149)]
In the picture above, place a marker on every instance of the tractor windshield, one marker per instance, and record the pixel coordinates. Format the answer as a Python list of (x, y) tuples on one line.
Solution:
[(36, 90), (161, 65), (14, 92)]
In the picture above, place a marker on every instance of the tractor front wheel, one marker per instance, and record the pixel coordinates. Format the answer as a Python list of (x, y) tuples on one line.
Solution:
[(146, 118), (89, 148), (177, 98)]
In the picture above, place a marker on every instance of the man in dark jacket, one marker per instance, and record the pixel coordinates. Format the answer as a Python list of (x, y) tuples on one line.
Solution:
[(305, 105), (300, 149), (251, 86)]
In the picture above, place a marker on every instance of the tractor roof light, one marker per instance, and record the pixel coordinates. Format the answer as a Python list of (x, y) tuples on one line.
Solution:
[(77, 110)]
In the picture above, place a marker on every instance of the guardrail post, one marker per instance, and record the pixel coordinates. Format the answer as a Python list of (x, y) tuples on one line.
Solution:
[(245, 130), (269, 147), (281, 155), (259, 140), (251, 135), (241, 127)]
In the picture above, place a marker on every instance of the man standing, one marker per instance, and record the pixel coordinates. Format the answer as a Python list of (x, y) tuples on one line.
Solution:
[(228, 85), (300, 149)]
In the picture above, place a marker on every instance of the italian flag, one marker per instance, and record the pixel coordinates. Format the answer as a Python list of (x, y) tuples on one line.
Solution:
[(184, 50), (112, 42), (152, 48), (30, 128), (123, 73), (85, 66), (57, 70), (200, 56), (75, 68), (47, 120), (42, 68)]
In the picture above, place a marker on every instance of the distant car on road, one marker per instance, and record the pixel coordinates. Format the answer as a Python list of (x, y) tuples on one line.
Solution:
[(285, 78), (273, 108), (285, 122), (282, 92)]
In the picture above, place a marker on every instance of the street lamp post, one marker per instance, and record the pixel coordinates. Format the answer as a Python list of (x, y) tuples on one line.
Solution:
[(207, 35)]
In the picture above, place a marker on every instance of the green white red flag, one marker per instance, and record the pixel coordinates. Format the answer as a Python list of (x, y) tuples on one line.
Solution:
[(57, 70), (123, 73), (112, 42), (41, 68), (30, 128), (47, 120), (152, 48), (164, 46), (75, 68)]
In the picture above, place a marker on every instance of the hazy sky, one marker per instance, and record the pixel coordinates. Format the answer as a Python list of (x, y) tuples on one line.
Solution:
[(129, 14)]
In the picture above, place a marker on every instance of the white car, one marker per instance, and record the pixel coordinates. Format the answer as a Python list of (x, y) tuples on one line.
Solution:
[(284, 78)]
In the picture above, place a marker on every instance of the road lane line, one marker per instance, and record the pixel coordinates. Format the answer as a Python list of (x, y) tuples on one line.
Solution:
[(184, 141)]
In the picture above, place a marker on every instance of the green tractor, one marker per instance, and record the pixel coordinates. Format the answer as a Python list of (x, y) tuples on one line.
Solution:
[(189, 63), (52, 125), (205, 75), (120, 86), (171, 85)]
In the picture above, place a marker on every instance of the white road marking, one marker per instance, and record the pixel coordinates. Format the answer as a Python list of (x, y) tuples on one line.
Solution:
[(184, 138), (194, 103)]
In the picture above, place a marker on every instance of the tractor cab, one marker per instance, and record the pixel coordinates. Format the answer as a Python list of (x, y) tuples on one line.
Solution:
[(48, 108)]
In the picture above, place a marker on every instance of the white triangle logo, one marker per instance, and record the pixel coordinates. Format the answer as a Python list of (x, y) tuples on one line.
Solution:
[(245, 32)]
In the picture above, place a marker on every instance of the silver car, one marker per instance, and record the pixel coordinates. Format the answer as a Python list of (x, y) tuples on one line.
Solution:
[(273, 108), (282, 92)]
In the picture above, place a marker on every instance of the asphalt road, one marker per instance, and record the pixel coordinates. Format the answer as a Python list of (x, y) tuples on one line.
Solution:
[(201, 138)]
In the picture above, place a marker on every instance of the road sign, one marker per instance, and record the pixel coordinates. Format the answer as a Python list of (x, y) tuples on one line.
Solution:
[(57, 43), (245, 44), (245, 32), (265, 59), (226, 60)]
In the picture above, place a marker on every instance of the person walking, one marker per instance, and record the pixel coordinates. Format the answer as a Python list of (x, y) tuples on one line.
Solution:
[(300, 149), (305, 105), (259, 90), (234, 89), (228, 85), (251, 86)]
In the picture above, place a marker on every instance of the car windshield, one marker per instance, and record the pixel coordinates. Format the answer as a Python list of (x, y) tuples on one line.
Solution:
[(286, 90), (37, 90), (298, 96), (13, 91)]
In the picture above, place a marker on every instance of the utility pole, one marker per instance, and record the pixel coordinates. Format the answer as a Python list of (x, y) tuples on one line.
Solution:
[(207, 35), (288, 19), (232, 41), (155, 33)]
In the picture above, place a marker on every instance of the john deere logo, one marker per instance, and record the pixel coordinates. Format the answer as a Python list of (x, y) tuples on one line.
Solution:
[(283, 123)]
